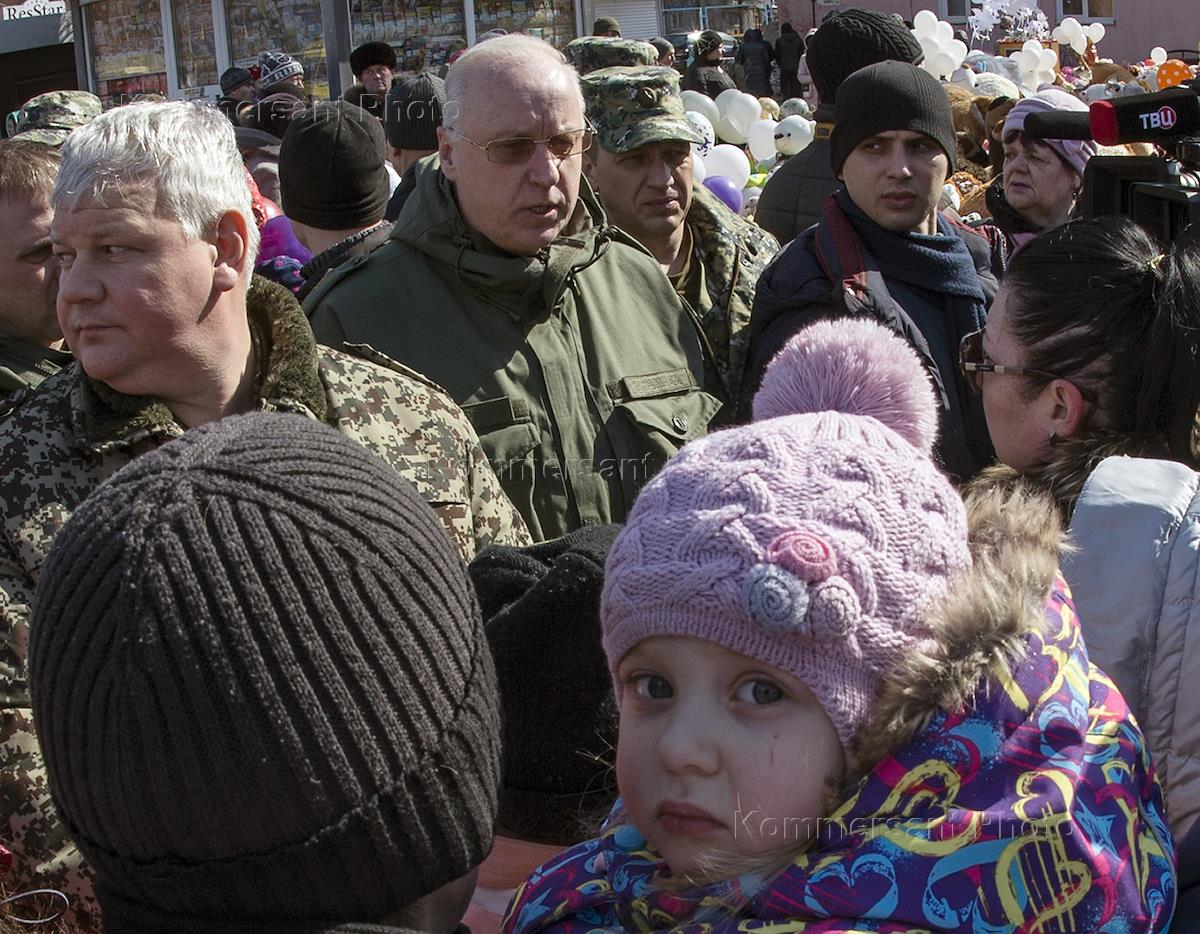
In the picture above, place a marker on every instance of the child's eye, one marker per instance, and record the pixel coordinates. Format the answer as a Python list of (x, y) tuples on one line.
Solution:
[(759, 692), (652, 687)]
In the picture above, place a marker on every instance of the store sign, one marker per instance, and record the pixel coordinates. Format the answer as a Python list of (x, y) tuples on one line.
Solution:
[(32, 8)]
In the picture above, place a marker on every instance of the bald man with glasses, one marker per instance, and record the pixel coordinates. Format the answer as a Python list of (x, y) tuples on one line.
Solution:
[(580, 367)]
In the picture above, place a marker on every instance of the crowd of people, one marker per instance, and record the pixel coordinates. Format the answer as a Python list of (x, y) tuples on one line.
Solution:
[(434, 510)]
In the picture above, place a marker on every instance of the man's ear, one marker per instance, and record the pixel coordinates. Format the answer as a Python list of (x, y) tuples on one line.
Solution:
[(233, 250), (446, 153)]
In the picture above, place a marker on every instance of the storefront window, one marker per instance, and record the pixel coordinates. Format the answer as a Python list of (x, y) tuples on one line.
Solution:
[(552, 20), (424, 36), (292, 26), (195, 45), (126, 44)]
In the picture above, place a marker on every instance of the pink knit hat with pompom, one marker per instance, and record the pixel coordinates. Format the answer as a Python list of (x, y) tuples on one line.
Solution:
[(813, 540)]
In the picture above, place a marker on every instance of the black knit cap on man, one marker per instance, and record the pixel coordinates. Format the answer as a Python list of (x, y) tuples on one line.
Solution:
[(607, 26), (264, 690), (333, 185), (705, 73), (411, 119), (845, 42), (882, 250)]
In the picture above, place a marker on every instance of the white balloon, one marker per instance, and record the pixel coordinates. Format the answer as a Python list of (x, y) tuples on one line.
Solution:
[(765, 165), (943, 65), (743, 112), (1071, 28), (944, 31), (702, 125), (793, 134), (699, 170), (1158, 55), (924, 23), (762, 140), (1029, 61), (724, 98), (1079, 44), (701, 104), (1032, 45), (958, 51), (1049, 59), (1046, 75), (728, 133), (1059, 35), (1095, 32), (930, 45), (730, 162)]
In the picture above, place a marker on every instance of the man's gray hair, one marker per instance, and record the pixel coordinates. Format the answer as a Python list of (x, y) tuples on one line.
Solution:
[(187, 151), (502, 53)]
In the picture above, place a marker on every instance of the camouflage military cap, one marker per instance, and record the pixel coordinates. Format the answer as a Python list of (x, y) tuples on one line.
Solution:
[(630, 107), (50, 117), (594, 52)]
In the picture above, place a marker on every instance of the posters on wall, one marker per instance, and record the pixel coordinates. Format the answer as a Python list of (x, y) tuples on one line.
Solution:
[(292, 26), (126, 44)]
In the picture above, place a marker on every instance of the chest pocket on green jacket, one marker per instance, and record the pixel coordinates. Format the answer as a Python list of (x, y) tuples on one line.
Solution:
[(509, 440), (659, 413)]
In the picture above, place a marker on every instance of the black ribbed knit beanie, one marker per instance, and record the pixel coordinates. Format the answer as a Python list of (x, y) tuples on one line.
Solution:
[(331, 173), (413, 111), (262, 686), (890, 96), (852, 39), (541, 607)]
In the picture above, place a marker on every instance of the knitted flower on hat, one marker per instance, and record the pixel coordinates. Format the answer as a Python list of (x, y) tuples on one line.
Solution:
[(813, 540)]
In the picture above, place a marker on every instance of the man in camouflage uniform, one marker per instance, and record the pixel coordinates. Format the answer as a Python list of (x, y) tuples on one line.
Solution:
[(590, 53), (581, 369), (49, 118), (640, 165), (30, 339), (170, 332)]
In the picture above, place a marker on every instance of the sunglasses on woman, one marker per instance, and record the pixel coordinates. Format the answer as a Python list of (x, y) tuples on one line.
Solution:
[(973, 363)]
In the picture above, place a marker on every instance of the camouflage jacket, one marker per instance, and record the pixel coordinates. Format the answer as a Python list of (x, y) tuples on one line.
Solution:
[(734, 253), (23, 365), (63, 440)]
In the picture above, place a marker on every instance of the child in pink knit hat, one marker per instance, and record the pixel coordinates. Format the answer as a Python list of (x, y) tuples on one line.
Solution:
[(845, 698)]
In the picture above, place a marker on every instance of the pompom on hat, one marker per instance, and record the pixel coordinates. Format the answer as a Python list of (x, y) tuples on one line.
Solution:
[(813, 540)]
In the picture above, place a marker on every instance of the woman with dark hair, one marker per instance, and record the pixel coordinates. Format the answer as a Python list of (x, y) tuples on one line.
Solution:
[(1089, 369)]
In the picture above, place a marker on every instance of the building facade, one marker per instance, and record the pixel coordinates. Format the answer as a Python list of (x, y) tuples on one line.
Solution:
[(1132, 27)]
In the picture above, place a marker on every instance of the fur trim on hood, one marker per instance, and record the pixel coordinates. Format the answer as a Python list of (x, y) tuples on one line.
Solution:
[(980, 627), (1063, 478)]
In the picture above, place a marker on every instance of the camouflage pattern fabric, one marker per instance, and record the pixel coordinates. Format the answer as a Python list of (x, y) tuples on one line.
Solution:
[(50, 117), (735, 252), (630, 107), (62, 441), (591, 53)]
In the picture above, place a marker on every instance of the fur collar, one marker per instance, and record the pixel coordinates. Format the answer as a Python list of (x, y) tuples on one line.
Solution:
[(982, 624), (289, 378), (1074, 460)]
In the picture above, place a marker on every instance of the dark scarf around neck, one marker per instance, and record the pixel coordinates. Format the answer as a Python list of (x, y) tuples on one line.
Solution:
[(939, 262)]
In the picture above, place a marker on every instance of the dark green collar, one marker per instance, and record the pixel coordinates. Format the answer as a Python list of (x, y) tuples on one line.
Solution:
[(289, 378)]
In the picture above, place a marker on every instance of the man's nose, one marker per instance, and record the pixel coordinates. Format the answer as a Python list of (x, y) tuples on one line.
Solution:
[(543, 168), (78, 284)]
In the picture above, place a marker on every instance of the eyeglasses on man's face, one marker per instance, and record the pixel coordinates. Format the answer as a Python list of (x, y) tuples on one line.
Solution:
[(973, 363), (517, 150)]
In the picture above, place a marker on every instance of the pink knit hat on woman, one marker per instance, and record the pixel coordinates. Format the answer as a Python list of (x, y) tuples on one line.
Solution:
[(813, 540)]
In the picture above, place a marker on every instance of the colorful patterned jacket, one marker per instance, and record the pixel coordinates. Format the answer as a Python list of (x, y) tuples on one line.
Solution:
[(1017, 794)]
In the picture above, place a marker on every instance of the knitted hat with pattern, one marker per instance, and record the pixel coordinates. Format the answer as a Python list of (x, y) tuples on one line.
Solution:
[(262, 686), (277, 66), (852, 39), (814, 539)]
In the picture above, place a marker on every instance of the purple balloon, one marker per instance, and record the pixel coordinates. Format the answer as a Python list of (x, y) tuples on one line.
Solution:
[(726, 190), (278, 239)]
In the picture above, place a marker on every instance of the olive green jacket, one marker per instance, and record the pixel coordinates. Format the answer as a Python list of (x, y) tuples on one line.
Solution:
[(24, 364), (580, 367)]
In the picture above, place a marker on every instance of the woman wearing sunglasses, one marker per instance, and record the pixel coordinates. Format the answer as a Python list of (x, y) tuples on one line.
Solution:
[(1089, 369)]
